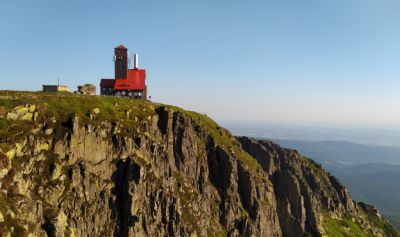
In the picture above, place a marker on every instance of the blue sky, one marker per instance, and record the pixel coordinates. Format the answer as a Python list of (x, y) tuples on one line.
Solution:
[(287, 61)]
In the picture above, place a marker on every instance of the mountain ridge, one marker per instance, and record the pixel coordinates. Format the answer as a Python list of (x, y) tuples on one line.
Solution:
[(371, 175), (74, 165)]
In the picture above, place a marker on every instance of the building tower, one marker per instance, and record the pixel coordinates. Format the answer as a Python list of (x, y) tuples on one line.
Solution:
[(121, 62)]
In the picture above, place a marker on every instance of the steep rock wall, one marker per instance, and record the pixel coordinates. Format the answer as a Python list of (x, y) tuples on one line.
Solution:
[(173, 180), (74, 165), (307, 196)]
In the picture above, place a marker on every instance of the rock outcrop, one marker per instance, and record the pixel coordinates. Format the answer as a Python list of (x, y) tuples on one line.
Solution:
[(26, 112), (142, 169), (87, 89)]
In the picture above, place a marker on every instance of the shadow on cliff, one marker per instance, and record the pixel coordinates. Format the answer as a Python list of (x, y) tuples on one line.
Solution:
[(126, 172)]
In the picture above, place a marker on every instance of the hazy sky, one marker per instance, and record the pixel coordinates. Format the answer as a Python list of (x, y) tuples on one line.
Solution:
[(290, 62)]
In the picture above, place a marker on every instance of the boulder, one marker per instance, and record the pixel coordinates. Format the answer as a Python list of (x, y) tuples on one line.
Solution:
[(87, 89), (27, 112)]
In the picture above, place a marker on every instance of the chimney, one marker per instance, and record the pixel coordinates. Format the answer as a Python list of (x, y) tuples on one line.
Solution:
[(135, 61)]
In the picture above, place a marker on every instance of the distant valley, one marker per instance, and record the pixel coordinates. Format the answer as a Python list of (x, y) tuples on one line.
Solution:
[(335, 153)]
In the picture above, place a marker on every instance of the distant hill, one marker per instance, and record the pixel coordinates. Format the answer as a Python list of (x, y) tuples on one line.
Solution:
[(371, 173), (332, 153)]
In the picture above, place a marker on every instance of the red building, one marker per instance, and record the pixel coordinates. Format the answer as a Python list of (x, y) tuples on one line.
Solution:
[(127, 82)]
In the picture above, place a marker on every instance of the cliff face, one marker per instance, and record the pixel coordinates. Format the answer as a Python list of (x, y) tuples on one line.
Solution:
[(95, 166), (311, 202)]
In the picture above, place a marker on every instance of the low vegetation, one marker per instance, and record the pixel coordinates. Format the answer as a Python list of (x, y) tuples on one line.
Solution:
[(344, 227)]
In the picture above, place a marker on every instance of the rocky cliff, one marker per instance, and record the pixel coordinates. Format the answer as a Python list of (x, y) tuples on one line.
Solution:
[(75, 165)]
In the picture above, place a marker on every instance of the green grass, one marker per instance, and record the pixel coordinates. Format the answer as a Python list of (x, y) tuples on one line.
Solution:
[(4, 123), (7, 102), (345, 227)]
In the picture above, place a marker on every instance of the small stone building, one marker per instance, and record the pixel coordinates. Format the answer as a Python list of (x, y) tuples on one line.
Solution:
[(87, 89), (55, 88)]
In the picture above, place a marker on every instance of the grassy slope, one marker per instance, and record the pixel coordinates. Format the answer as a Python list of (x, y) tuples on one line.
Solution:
[(345, 227)]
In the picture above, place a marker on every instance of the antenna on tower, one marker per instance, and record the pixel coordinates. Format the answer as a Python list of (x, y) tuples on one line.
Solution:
[(135, 61), (129, 59), (58, 82)]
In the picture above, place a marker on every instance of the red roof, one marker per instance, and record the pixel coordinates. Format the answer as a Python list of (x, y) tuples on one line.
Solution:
[(135, 81), (120, 47), (107, 83)]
